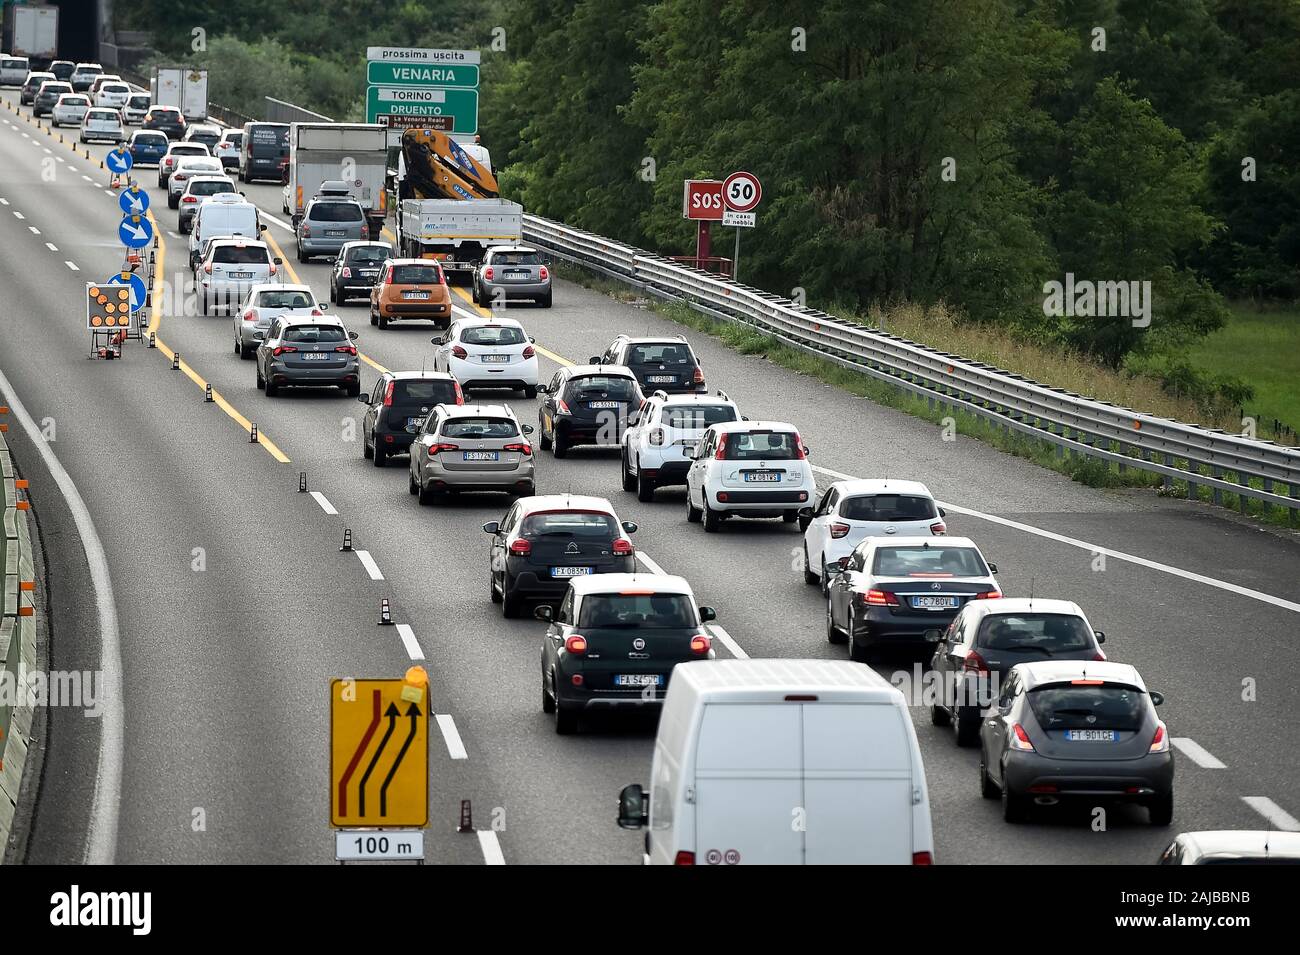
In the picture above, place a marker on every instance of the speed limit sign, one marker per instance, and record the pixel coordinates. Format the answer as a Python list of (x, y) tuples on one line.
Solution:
[(741, 191)]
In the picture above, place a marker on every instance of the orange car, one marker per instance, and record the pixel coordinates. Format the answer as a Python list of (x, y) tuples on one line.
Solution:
[(410, 289)]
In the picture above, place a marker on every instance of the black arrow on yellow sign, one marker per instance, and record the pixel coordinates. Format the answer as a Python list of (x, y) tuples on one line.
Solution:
[(414, 713), (392, 713)]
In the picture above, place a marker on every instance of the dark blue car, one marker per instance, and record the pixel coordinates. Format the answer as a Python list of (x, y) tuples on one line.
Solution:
[(147, 147)]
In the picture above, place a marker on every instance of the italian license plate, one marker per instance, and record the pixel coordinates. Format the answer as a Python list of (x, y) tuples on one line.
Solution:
[(335, 233), (1091, 736), (639, 679), (495, 359), (415, 295), (413, 424), (564, 572), (934, 603), (315, 356), (660, 379), (482, 455), (762, 477), (241, 275), (368, 273), (597, 405), (516, 273)]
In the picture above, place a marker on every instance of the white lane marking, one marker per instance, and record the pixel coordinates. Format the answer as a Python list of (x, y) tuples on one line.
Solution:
[(408, 640), (491, 846), (650, 564), (110, 192), (1274, 813), (324, 503), (33, 230), (101, 840), (87, 178), (46, 148), (1197, 753), (4, 202), (728, 641), (18, 215), (270, 218), (451, 736), (369, 563), (174, 235), (51, 246), (1098, 549), (71, 265)]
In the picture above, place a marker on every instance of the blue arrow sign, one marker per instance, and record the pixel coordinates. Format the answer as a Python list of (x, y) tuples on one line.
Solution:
[(134, 200), (135, 232), (138, 292), (119, 160)]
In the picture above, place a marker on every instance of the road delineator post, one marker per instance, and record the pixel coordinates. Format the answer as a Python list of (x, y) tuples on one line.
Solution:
[(302, 482), (347, 540), (153, 339), (207, 392), (252, 433), (385, 612), (176, 361), (466, 817)]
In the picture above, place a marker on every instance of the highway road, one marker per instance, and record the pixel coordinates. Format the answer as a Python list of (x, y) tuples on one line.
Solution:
[(224, 670)]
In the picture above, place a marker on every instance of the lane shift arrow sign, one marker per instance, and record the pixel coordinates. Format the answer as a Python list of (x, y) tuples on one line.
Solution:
[(414, 714)]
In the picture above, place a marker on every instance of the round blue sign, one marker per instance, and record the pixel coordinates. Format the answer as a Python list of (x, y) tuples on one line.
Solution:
[(135, 231)]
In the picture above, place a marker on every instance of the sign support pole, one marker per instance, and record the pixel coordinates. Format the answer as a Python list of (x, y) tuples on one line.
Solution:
[(703, 246), (735, 259)]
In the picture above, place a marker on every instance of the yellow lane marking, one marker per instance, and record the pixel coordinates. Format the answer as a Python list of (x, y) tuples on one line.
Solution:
[(155, 323)]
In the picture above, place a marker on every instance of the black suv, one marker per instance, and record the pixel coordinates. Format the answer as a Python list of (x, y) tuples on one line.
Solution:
[(165, 119), (397, 406), (63, 70), (357, 269)]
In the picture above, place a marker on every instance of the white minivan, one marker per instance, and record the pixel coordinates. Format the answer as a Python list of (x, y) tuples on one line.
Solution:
[(13, 70), (786, 762), (219, 216)]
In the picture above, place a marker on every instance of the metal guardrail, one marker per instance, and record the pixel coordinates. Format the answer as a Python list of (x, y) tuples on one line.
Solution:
[(1075, 423)]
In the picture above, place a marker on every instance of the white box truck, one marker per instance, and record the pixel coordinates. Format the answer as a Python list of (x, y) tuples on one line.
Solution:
[(457, 232), (783, 762), (355, 153), (32, 32), (182, 87)]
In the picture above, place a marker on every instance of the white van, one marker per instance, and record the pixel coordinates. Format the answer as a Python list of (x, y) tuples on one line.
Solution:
[(13, 69), (785, 762), (220, 216)]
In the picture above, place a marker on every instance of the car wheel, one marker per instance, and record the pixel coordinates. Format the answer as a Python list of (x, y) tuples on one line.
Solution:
[(173, 202), (427, 494), (808, 576), (271, 390), (301, 257), (1161, 810), (789, 517), (383, 321), (54, 123), (333, 294), (629, 479), (206, 305), (379, 456), (542, 440), (560, 445), (833, 633), (987, 789), (512, 605), (693, 513), (548, 701), (858, 652), (367, 452), (965, 732), (545, 301), (566, 721), (353, 390), (412, 485), (530, 391), (261, 382), (1014, 808), (645, 487), (711, 519), (239, 349), (374, 319), (492, 587), (939, 717)]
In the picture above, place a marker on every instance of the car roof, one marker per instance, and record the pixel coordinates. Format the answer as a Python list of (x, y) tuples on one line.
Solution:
[(620, 371), (229, 201), (474, 411), (513, 248), (281, 287), (291, 320), (653, 340), (484, 321), (881, 486), (732, 427), (397, 261), (1062, 671), (163, 106), (566, 502), (420, 375), (40, 75), (689, 399), (358, 243), (185, 144), (1249, 843), (205, 127), (1008, 606), (743, 681), (613, 583), (916, 540), (236, 240), (194, 179)]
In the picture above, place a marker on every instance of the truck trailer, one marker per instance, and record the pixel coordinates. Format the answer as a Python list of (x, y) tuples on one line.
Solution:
[(355, 153)]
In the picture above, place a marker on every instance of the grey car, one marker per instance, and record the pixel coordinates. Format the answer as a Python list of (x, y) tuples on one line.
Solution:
[(512, 272), (471, 448), (48, 95), (357, 269), (1076, 731), (316, 351), (327, 225), (195, 190)]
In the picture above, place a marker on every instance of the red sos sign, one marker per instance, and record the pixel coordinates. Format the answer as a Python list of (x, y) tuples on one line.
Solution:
[(702, 199)]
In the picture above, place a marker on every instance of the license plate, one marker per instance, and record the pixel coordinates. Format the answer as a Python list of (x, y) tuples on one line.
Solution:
[(417, 295), (570, 571), (495, 359), (934, 603), (335, 233), (315, 356), (602, 404), (413, 424), (241, 275), (639, 679), (481, 455), (516, 273), (660, 379), (763, 477), (1091, 736), (368, 273)]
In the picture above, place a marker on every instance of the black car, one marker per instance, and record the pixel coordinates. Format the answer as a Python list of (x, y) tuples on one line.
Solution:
[(165, 119), (48, 95), (987, 638), (660, 364), (203, 133), (397, 406), (586, 404), (544, 542), (614, 641), (356, 269), (62, 70), (33, 83)]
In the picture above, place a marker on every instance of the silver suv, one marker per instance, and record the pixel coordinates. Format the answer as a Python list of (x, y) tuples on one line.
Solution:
[(308, 351), (512, 272), (329, 223), (471, 448)]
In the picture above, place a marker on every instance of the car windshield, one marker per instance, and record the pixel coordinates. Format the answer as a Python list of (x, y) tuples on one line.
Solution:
[(415, 275), (369, 255), (601, 387), (309, 334), (582, 524), (665, 353), (424, 392), (115, 88), (516, 258), (240, 255), (484, 427), (921, 561), (887, 507), (1044, 633), (1069, 706), (493, 335), (761, 446), (210, 187), (640, 611), (286, 298), (697, 416), (335, 212)]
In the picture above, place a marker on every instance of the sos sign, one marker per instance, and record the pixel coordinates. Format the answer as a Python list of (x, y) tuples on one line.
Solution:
[(702, 199)]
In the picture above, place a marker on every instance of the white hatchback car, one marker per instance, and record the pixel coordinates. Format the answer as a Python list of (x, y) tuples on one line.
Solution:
[(748, 469), (69, 110), (851, 511), (137, 105), (660, 435), (488, 353), (265, 302), (113, 95), (229, 270), (101, 123), (187, 169)]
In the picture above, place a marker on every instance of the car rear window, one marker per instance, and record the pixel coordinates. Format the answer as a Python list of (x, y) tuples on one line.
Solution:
[(237, 255), (668, 353), (101, 114), (210, 187), (139, 101), (335, 212), (149, 138), (516, 258), (115, 88), (484, 427), (208, 138), (290, 298), (1068, 707), (52, 89), (493, 335), (602, 386), (74, 100), (761, 446), (424, 392), (887, 507), (369, 255), (164, 113), (189, 149), (587, 525), (642, 611), (1033, 632), (308, 334), (267, 140), (415, 275), (929, 562), (696, 416)]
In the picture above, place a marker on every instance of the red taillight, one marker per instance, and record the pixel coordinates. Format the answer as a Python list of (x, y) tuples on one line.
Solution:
[(1160, 742), (521, 547), (1046, 788), (723, 497), (576, 679), (314, 311), (699, 375), (987, 595), (442, 276), (458, 352), (799, 453), (306, 231), (922, 858), (722, 448), (1099, 656), (839, 530), (208, 268), (975, 664), (938, 528), (388, 395), (347, 272), (623, 546), (700, 645), (562, 406), (250, 316), (346, 349), (189, 199), (460, 395), (684, 858), (438, 448), (281, 349), (530, 352), (487, 273), (1020, 739), (657, 437), (576, 644), (544, 273), (524, 449), (881, 598)]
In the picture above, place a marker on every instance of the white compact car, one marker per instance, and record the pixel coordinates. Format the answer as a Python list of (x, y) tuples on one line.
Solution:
[(229, 270), (851, 511), (488, 353), (137, 106), (748, 469), (113, 95), (660, 435), (101, 123), (186, 169), (265, 302), (70, 109)]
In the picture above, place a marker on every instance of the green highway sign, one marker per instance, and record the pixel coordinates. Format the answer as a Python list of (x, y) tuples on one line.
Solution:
[(464, 76), (405, 104)]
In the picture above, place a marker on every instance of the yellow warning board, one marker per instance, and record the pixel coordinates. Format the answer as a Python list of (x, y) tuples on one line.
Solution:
[(108, 306), (379, 751)]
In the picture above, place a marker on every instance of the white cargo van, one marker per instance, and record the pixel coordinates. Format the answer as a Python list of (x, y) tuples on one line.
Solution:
[(220, 216), (783, 762)]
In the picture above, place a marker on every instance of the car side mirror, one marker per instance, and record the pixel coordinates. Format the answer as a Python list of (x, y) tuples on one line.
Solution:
[(707, 614), (279, 261), (544, 612), (993, 568), (364, 399), (693, 450), (593, 360), (844, 563), (807, 451), (261, 226), (492, 527), (532, 340), (942, 512), (932, 636), (1100, 635), (528, 429), (1157, 698), (354, 335), (322, 305), (805, 517), (630, 526), (543, 389), (633, 807), (744, 417)]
